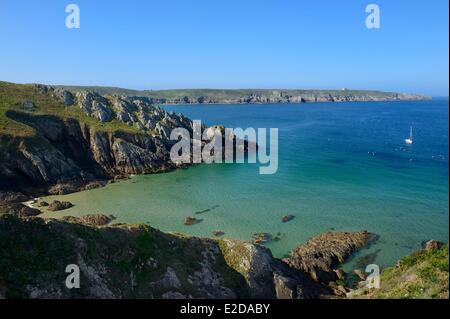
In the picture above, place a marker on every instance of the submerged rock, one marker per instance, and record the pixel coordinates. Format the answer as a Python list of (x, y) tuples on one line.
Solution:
[(218, 233), (287, 218), (43, 204)]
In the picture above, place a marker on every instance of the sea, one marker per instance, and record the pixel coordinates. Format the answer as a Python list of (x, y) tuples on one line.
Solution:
[(341, 167)]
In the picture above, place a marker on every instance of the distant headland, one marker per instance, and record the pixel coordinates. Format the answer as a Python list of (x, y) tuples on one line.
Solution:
[(250, 96)]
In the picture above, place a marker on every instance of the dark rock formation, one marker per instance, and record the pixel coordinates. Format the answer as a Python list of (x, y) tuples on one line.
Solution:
[(91, 219), (287, 218), (126, 135), (8, 196), (188, 221), (18, 210), (433, 245), (125, 261), (57, 205), (43, 204), (320, 254)]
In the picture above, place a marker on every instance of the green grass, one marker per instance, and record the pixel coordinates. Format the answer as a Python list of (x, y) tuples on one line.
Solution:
[(421, 275), (12, 97)]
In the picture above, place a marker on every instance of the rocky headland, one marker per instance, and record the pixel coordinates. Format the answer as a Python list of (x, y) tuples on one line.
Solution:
[(138, 261), (253, 96), (53, 141), (56, 141)]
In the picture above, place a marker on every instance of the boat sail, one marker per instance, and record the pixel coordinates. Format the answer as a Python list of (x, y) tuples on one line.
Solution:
[(409, 140)]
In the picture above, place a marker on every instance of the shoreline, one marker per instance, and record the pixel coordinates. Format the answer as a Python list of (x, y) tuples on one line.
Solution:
[(289, 103)]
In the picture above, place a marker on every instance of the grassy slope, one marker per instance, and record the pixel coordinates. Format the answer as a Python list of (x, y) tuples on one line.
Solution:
[(33, 253), (12, 97), (423, 274)]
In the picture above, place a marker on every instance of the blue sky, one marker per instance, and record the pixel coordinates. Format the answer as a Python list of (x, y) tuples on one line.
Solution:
[(158, 44)]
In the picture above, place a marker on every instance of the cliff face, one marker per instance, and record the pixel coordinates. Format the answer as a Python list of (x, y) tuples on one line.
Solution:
[(58, 141), (125, 261), (66, 151)]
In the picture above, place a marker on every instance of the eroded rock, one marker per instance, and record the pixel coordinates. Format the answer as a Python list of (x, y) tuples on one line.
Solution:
[(319, 255), (56, 205)]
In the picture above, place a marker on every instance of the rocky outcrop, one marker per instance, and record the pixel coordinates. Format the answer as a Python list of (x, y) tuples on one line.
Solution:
[(433, 245), (124, 261), (8, 196), (90, 219), (17, 209), (321, 254), (67, 153), (57, 205)]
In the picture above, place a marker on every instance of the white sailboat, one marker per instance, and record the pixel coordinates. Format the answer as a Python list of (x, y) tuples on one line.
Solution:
[(409, 140)]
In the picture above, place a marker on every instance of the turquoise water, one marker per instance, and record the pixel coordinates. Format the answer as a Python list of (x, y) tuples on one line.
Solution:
[(341, 167)]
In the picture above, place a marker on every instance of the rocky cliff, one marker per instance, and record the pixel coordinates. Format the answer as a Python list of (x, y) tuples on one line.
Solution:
[(56, 141), (138, 261)]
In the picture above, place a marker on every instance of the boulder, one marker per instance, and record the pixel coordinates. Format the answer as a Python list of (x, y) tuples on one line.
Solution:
[(188, 221), (28, 105), (433, 245), (57, 205), (361, 274)]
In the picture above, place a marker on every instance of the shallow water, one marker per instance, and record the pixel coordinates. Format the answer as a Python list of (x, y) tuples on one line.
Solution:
[(342, 166)]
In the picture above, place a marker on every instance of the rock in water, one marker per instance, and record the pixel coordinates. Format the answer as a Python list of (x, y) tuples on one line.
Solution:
[(57, 205), (320, 254), (287, 218), (188, 221), (218, 233), (261, 238), (91, 219)]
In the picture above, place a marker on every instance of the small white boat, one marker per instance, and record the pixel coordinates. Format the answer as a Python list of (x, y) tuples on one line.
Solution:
[(409, 140)]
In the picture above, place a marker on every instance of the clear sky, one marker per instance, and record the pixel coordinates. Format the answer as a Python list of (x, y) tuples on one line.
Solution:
[(156, 44)]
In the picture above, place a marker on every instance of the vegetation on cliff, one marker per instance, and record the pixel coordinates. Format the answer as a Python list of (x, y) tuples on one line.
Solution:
[(50, 136), (423, 274), (135, 261)]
